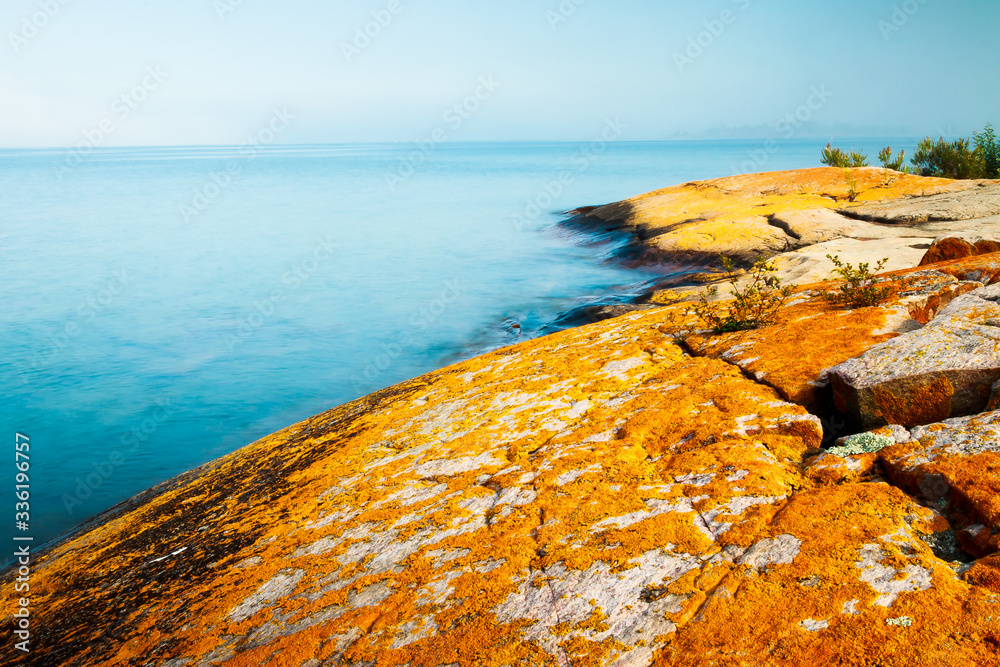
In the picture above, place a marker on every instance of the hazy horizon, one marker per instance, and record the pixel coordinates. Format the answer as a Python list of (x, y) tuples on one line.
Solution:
[(216, 72)]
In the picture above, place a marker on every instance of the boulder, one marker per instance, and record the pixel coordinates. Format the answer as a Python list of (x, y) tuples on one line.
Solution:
[(957, 246), (946, 369)]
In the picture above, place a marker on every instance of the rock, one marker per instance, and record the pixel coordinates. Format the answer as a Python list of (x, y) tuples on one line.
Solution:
[(528, 505), (595, 497), (984, 269), (756, 214), (980, 199), (810, 264), (957, 246), (820, 225), (829, 469), (955, 465), (945, 369), (986, 573), (862, 561), (822, 335), (597, 313)]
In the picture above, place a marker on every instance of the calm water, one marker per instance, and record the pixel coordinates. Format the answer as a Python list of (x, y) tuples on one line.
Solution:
[(163, 307)]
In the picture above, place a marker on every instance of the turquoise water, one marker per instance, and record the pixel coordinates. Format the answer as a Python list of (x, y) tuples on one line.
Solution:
[(163, 307)]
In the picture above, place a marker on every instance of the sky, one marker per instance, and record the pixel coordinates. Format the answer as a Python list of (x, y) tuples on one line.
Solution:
[(211, 72)]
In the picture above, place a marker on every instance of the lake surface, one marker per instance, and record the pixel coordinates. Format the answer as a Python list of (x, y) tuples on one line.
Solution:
[(164, 307)]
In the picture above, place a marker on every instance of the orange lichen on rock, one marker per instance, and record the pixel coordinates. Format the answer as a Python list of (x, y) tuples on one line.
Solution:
[(841, 562), (810, 335), (956, 466), (958, 247), (451, 519), (595, 497), (981, 268), (827, 469)]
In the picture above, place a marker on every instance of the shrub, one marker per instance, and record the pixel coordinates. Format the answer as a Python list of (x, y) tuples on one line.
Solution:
[(753, 306), (988, 152), (860, 287), (894, 163), (834, 157), (852, 185), (946, 160)]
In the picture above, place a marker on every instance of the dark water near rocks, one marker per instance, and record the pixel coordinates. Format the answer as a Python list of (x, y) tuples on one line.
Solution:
[(163, 307)]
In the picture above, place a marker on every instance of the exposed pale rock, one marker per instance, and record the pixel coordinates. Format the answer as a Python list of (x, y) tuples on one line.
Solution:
[(980, 199), (822, 224)]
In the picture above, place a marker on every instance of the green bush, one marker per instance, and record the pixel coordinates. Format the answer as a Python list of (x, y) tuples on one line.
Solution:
[(894, 163), (988, 152), (834, 157), (946, 160), (978, 157), (753, 306), (860, 288)]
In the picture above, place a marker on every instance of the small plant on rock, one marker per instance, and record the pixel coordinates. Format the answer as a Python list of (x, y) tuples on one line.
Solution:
[(861, 286), (893, 163), (754, 305), (852, 186)]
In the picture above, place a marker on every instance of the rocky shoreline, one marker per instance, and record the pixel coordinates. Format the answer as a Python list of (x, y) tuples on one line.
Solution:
[(637, 491), (795, 217)]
